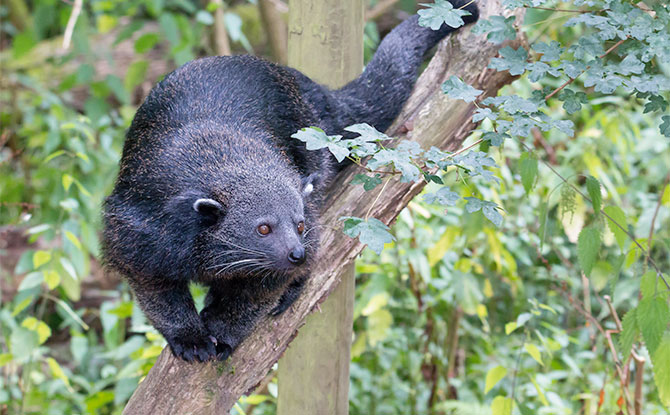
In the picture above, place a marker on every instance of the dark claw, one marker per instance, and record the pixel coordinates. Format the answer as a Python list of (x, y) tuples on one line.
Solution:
[(194, 349)]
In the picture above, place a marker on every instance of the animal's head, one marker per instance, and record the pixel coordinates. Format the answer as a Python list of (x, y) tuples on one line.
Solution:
[(258, 228)]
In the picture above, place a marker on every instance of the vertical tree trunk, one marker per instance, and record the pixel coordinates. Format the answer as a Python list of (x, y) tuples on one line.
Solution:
[(276, 29), (326, 44)]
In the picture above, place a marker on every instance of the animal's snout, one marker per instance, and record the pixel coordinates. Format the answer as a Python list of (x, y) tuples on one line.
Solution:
[(297, 255)]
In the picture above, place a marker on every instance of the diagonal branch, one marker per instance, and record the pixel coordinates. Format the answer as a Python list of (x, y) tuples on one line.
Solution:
[(430, 118)]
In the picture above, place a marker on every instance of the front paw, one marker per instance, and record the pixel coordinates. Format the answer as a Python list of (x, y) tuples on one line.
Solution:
[(219, 334), (223, 349), (190, 347)]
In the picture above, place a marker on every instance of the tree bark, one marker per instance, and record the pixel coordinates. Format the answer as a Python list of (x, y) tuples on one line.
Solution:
[(175, 387)]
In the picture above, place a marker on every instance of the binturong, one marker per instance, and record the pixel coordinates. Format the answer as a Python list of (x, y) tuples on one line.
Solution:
[(212, 189)]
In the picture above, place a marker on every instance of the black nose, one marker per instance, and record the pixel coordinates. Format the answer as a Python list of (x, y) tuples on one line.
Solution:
[(297, 255)]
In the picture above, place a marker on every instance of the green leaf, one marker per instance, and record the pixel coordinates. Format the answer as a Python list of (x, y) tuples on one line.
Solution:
[(593, 187), (444, 196), (51, 278), (5, 358), (540, 392), (368, 182), (534, 352), (511, 60), (146, 42), (661, 361), (53, 156), (497, 29), (40, 258), (665, 126), (588, 247), (367, 132), (528, 171), (43, 331), (377, 302), (57, 371), (629, 333), (502, 406), (648, 284), (67, 181), (22, 43), (572, 102), (653, 317), (550, 52), (441, 12), (495, 138), (31, 280), (135, 74), (372, 232), (455, 88), (22, 305), (489, 209), (379, 324), (22, 342), (656, 103), (73, 238), (315, 139), (401, 158), (619, 216), (493, 376), (204, 17)]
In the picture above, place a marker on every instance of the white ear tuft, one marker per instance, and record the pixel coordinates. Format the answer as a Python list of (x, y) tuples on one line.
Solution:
[(207, 206), (307, 190)]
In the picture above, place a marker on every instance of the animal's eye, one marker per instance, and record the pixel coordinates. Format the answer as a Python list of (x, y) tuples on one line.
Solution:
[(301, 227), (264, 229)]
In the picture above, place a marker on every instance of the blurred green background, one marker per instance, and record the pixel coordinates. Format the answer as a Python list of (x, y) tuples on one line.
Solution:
[(453, 300)]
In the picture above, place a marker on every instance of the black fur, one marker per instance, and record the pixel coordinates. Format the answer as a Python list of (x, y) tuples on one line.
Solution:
[(209, 157)]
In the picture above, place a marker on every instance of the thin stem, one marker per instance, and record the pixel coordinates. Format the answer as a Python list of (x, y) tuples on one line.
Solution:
[(602, 212), (653, 219), (69, 29), (571, 80), (562, 10), (367, 215)]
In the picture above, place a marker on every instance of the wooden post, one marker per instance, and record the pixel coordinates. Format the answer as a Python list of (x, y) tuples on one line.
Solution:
[(325, 43)]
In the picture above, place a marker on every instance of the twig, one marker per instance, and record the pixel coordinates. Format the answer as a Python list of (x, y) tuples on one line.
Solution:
[(610, 343), (455, 153), (69, 29), (571, 80), (617, 321), (616, 45), (563, 10), (653, 219), (367, 215), (221, 42), (379, 9), (517, 365), (639, 381)]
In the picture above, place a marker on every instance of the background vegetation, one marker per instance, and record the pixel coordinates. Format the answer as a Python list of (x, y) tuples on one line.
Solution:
[(462, 313)]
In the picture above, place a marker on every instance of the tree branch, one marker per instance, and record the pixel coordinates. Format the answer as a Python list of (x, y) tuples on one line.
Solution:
[(176, 387)]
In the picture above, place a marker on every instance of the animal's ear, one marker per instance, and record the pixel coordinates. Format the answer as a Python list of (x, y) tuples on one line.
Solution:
[(309, 183), (210, 209)]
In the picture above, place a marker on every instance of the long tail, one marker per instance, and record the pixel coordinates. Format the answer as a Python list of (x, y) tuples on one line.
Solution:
[(378, 95)]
